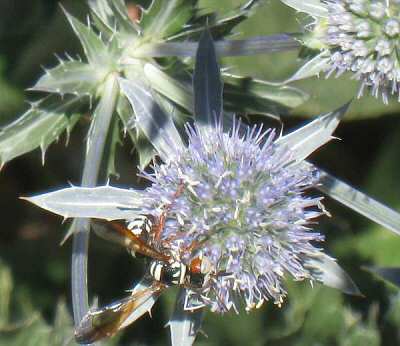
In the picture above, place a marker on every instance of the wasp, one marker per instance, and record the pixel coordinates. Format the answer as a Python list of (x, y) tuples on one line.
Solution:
[(165, 269)]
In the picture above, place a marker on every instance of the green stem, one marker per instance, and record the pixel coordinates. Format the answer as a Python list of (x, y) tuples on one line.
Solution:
[(94, 153), (250, 46)]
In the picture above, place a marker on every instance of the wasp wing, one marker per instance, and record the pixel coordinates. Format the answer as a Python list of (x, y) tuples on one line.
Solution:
[(106, 321), (120, 234)]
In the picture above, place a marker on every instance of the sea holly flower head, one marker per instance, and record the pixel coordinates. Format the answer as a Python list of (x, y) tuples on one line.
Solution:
[(356, 36), (363, 37), (236, 198), (244, 201)]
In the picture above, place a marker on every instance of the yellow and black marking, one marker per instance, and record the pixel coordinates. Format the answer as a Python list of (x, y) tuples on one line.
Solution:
[(141, 226), (168, 273)]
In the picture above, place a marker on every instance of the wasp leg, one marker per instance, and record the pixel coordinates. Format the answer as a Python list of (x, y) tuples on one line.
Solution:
[(159, 226)]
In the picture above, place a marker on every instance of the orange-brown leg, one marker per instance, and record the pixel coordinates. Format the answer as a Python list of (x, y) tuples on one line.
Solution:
[(159, 226)]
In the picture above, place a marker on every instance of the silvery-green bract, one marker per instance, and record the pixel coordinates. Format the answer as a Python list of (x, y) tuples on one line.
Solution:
[(243, 203)]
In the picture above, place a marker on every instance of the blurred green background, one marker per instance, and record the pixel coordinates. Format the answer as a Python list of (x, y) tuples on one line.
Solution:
[(34, 270)]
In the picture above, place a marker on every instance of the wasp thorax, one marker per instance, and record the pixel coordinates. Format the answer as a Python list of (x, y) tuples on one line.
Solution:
[(168, 273), (194, 275), (141, 225)]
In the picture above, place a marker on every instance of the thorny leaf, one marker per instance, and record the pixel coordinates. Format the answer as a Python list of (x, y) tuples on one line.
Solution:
[(359, 202), (142, 146), (127, 116), (259, 90), (207, 85), (171, 88), (165, 18), (240, 94), (246, 95), (95, 50), (331, 274), (111, 17), (104, 202), (184, 325), (153, 121), (220, 27), (311, 68), (144, 149), (37, 127), (310, 137), (70, 77), (315, 8)]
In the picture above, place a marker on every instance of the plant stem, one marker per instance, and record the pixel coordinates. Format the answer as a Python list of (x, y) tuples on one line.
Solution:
[(80, 227), (250, 46)]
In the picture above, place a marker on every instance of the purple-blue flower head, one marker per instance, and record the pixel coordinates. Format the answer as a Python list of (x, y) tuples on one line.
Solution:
[(243, 204), (363, 37)]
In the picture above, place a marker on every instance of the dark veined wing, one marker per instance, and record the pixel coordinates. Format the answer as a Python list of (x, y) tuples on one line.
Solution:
[(108, 320), (120, 234)]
